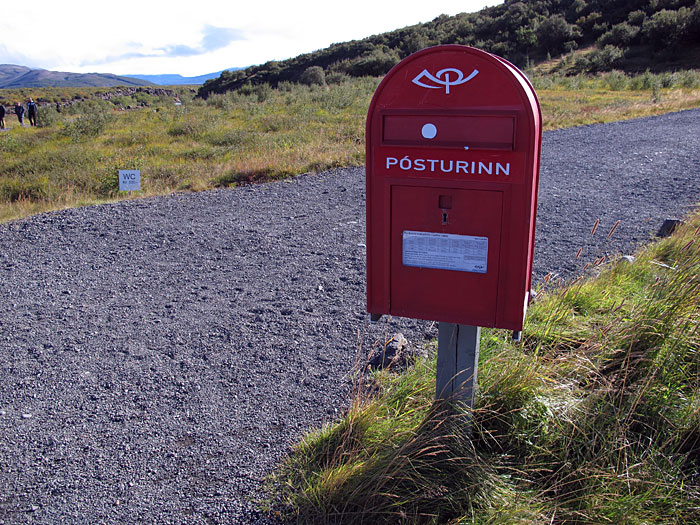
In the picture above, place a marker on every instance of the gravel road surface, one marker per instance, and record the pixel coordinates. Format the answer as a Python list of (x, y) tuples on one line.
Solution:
[(159, 356)]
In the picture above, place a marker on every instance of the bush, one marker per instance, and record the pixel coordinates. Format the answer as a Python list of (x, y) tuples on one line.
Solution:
[(144, 98), (646, 81), (47, 116), (605, 59), (87, 126), (373, 64), (662, 29), (620, 35), (555, 32), (636, 18), (616, 80), (122, 101), (336, 78), (313, 75), (689, 79), (692, 25)]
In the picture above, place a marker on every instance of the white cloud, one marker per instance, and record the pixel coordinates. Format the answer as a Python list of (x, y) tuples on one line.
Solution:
[(160, 37)]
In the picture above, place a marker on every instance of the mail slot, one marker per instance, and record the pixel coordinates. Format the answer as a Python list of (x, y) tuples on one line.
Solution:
[(453, 150), (450, 131)]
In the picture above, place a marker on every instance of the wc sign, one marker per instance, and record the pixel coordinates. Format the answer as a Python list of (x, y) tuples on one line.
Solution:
[(129, 180)]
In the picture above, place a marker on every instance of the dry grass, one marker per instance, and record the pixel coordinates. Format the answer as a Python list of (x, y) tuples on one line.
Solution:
[(257, 135)]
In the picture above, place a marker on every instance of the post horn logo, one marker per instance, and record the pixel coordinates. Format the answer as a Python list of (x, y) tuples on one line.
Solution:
[(443, 78)]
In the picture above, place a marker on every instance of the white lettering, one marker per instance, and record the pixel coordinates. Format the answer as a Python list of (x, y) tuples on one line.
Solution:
[(449, 166), (500, 167), (449, 169), (484, 168)]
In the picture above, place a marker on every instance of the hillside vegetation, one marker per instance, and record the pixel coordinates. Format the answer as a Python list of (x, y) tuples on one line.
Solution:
[(663, 35), (593, 418), (183, 143)]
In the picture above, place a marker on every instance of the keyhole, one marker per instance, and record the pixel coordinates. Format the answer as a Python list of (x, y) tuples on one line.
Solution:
[(445, 203)]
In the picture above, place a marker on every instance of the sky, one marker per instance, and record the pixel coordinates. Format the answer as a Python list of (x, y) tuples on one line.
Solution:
[(152, 37)]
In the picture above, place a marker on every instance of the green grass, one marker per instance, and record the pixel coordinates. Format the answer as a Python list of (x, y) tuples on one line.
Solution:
[(593, 418), (255, 134)]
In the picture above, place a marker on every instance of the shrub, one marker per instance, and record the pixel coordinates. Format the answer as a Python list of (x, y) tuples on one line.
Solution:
[(10, 144), (376, 63), (555, 32), (87, 126), (605, 59), (662, 29), (689, 79), (313, 75), (620, 35), (645, 81), (636, 18), (692, 24), (615, 80), (122, 101), (336, 78), (47, 116), (144, 98)]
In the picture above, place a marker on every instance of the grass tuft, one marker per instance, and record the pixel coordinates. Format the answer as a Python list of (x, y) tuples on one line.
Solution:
[(593, 418)]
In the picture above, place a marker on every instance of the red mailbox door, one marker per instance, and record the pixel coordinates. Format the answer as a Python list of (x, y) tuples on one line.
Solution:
[(445, 239), (453, 143)]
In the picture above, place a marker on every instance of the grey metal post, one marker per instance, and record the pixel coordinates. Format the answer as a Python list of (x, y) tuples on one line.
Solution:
[(457, 361)]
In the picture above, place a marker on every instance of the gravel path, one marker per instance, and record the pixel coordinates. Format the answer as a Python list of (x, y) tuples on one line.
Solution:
[(159, 356)]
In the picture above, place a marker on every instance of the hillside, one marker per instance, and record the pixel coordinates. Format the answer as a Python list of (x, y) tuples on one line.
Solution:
[(13, 77), (623, 34)]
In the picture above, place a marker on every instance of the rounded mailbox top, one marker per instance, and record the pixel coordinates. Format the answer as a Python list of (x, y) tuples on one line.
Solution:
[(456, 77)]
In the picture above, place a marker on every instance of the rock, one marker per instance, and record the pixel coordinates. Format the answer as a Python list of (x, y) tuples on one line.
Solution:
[(627, 259), (396, 353), (668, 227)]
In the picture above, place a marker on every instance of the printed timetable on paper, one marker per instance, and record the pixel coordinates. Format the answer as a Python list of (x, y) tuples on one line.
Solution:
[(445, 251)]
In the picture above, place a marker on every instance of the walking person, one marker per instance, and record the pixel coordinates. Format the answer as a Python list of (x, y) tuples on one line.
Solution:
[(19, 111), (3, 112), (31, 111)]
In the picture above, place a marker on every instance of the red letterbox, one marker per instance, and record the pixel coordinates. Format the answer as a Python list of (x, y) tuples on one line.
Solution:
[(453, 149)]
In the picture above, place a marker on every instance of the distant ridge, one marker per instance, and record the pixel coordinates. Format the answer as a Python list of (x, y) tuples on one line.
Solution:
[(179, 80), (14, 77)]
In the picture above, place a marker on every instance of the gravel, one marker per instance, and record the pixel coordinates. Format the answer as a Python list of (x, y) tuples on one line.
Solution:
[(159, 356)]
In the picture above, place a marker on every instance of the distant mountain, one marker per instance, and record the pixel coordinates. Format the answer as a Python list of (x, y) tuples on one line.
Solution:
[(179, 80), (13, 77), (9, 72)]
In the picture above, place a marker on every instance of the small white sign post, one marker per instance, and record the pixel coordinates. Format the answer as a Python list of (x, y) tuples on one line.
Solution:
[(129, 180)]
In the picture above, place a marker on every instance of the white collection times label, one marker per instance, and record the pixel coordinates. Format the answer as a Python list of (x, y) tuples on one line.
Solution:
[(445, 251)]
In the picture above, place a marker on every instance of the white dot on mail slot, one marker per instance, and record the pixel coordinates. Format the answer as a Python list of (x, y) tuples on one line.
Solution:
[(429, 131)]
